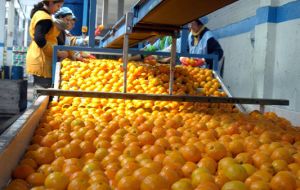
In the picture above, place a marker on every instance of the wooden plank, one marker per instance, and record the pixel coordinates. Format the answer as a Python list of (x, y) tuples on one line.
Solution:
[(13, 142), (204, 99)]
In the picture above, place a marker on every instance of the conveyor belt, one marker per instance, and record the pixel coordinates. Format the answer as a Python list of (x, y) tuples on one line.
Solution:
[(160, 17)]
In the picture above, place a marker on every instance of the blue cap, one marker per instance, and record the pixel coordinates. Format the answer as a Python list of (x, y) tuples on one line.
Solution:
[(74, 17), (64, 11), (204, 20)]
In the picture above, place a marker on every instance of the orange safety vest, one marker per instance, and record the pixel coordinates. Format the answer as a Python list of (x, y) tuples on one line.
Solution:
[(39, 60)]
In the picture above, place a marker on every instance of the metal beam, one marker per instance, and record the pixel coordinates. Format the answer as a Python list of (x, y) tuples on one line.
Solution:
[(206, 99), (92, 22)]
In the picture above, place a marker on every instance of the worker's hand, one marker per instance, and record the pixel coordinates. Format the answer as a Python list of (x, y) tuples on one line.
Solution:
[(194, 62), (62, 54)]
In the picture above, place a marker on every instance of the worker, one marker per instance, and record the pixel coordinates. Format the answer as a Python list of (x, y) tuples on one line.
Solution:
[(154, 44), (202, 41), (44, 36), (65, 15)]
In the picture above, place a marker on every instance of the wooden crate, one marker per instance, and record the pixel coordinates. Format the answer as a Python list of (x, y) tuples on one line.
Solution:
[(13, 96)]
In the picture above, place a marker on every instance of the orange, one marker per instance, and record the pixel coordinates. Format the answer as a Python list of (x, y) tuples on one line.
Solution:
[(215, 150), (22, 171), (44, 155), (190, 153), (100, 153), (57, 181), (79, 174), (132, 151), (29, 162), (91, 167), (207, 186), (155, 149), (208, 163), (259, 185), (129, 182), (163, 143), (235, 172), (158, 132), (143, 172), (201, 178), (78, 184), (283, 180), (146, 138), (282, 154), (250, 169), (97, 186), (17, 184), (236, 146), (244, 158), (220, 180), (68, 170), (72, 151), (260, 158), (111, 170), (182, 184), (280, 165), (36, 179), (156, 166), (188, 168), (87, 147), (234, 185), (170, 175), (154, 182)]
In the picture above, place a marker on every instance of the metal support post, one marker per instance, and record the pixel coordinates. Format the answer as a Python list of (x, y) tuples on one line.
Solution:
[(104, 12), (128, 24), (120, 8), (172, 64), (2, 28), (184, 39), (215, 63), (92, 23), (10, 32), (85, 13), (262, 108), (125, 61), (54, 61), (26, 32)]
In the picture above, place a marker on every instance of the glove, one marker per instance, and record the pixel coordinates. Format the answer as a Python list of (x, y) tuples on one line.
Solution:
[(194, 62), (61, 25)]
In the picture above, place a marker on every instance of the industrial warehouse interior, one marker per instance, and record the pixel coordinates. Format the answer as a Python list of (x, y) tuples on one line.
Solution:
[(149, 95)]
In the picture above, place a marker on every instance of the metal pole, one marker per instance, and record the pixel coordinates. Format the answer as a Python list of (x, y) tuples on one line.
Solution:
[(128, 24), (10, 32), (262, 108), (104, 12), (85, 13), (54, 61), (125, 61), (215, 63), (184, 39), (120, 8), (2, 28), (92, 23), (172, 64)]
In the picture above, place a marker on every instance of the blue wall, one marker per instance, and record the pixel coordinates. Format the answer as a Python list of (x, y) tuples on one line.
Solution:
[(77, 7), (289, 11)]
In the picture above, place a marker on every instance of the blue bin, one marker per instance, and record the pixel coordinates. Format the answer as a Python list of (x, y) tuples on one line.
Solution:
[(77, 7), (17, 72), (6, 72)]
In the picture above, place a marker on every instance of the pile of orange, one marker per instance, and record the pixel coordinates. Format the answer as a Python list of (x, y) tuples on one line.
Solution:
[(107, 76), (103, 144)]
